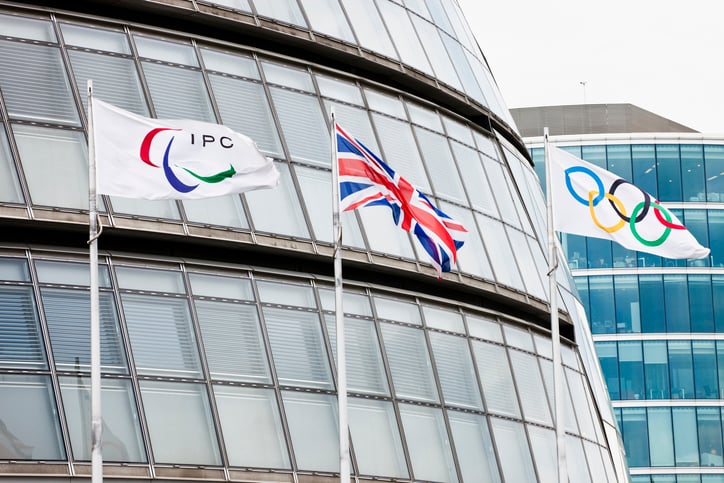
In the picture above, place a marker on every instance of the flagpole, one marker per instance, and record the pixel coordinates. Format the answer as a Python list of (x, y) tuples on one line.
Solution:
[(344, 463), (555, 328), (96, 419)]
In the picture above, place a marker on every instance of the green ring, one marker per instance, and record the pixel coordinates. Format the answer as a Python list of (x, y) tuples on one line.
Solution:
[(632, 225)]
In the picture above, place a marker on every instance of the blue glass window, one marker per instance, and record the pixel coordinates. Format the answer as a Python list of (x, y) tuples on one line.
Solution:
[(716, 243), (686, 445), (619, 160), (692, 173), (628, 318), (635, 436), (576, 252), (705, 373), (643, 161), (651, 296), (701, 308), (599, 253), (656, 369), (681, 369), (714, 156), (608, 358), (710, 436), (661, 437), (594, 155), (676, 295), (631, 370), (21, 344), (696, 222), (602, 313), (669, 172)]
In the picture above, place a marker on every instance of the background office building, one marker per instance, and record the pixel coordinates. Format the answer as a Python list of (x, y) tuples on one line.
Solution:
[(218, 341), (658, 324)]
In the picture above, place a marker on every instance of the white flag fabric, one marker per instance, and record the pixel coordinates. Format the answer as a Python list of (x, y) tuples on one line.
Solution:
[(139, 157), (590, 201)]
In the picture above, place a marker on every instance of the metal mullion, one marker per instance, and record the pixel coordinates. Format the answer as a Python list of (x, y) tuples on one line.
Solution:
[(391, 387), (53, 375), (441, 396), (275, 379), (387, 32), (204, 367), (486, 412), (135, 383)]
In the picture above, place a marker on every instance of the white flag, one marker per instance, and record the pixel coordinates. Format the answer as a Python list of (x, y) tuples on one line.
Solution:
[(590, 201), (139, 157)]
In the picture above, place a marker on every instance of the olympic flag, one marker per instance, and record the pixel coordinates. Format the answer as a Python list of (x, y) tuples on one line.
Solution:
[(590, 201), (138, 157)]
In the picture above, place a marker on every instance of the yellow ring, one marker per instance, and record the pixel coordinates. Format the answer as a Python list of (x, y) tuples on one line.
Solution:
[(619, 205)]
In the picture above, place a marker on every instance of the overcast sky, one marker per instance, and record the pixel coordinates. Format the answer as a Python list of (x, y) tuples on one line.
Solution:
[(666, 56)]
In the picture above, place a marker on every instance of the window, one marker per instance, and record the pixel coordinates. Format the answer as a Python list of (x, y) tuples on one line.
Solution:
[(409, 363)]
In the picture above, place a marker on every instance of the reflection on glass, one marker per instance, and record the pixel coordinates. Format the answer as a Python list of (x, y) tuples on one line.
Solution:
[(515, 457), (409, 362), (252, 428), (368, 26), (168, 403), (428, 443), (313, 427), (376, 439), (474, 447), (122, 439), (455, 370)]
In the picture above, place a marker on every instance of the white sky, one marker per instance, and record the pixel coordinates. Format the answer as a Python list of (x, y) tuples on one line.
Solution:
[(666, 56)]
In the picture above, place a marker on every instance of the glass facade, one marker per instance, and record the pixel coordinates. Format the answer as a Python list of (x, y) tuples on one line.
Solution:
[(656, 322), (218, 341)]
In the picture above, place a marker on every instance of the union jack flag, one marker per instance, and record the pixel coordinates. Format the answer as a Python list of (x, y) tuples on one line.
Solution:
[(365, 180)]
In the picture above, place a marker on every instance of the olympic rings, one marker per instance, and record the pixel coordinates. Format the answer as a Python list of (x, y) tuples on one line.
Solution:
[(638, 214)]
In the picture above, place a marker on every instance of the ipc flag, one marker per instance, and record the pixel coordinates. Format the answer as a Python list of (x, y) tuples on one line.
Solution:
[(365, 180), (590, 201), (138, 157)]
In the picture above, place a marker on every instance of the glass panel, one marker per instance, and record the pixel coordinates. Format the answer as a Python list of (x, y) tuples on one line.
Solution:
[(220, 211), (317, 191), (356, 122), (428, 443), (21, 343), (376, 438), (308, 141), (692, 172), (501, 256), (166, 347), (281, 10), (388, 104), (502, 194), (26, 66), (67, 313), (401, 153), (165, 209), (496, 378), (244, 107), (531, 389), (526, 263), (174, 52), (635, 436), (434, 48), (68, 151), (409, 362), (576, 460), (676, 299), (439, 162), (651, 296), (656, 367), (705, 373), (365, 370), (474, 447), (150, 280), (9, 185), (167, 403), (27, 28), (714, 165), (343, 90), (543, 443), (465, 72), (14, 269), (382, 234), (368, 26), (286, 294), (661, 437), (233, 341), (29, 426), (404, 37), (710, 436), (178, 93), (685, 436), (95, 38), (221, 287), (234, 64), (424, 117), (438, 318), (681, 369), (483, 328), (252, 428), (72, 273), (455, 369), (122, 440), (601, 308), (298, 349), (473, 257), (283, 202), (631, 369), (353, 303), (515, 458), (115, 80), (397, 310), (326, 16), (312, 422), (519, 338), (578, 393), (668, 166), (626, 291)]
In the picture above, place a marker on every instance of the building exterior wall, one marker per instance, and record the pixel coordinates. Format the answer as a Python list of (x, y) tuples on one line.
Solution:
[(657, 323), (218, 345)]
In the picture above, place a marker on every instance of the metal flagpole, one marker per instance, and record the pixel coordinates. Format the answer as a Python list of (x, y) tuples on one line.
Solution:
[(555, 329), (344, 463), (96, 420)]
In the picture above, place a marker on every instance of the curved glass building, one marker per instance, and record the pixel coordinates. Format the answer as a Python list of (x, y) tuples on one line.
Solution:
[(657, 323), (218, 341)]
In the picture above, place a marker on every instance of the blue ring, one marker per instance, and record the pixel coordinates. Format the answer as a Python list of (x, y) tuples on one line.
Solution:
[(594, 176)]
